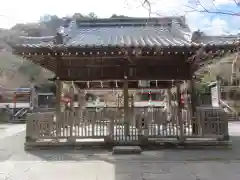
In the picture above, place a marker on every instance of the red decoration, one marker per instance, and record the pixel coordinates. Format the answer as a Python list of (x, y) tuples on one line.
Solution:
[(182, 99)]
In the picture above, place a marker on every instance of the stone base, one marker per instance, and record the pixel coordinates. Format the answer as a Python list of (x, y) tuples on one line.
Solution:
[(29, 145), (132, 147), (189, 145), (126, 150)]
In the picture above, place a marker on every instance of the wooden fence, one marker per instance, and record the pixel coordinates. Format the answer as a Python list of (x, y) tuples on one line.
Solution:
[(109, 124)]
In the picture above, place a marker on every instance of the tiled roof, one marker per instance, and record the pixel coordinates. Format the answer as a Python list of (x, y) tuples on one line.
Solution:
[(130, 32), (128, 36), (36, 41), (170, 31), (217, 40), (127, 32)]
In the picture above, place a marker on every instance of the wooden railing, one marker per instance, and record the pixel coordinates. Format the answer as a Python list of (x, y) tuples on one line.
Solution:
[(109, 123)]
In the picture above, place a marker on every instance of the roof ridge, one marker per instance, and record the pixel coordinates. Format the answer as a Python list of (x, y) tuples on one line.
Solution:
[(131, 21)]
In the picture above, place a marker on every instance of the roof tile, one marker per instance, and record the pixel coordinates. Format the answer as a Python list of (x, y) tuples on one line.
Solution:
[(217, 40), (36, 41), (138, 32), (132, 32), (128, 36)]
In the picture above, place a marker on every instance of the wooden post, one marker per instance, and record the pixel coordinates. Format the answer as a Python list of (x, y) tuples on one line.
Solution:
[(80, 100), (71, 112), (58, 105), (189, 107), (193, 106), (179, 112), (81, 105), (226, 130), (126, 107), (169, 100)]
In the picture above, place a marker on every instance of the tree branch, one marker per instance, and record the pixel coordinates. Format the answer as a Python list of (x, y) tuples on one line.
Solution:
[(205, 10), (149, 7), (214, 12), (237, 2), (202, 9)]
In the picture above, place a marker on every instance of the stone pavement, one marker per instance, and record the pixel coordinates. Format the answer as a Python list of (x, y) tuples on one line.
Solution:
[(16, 164), (11, 129), (103, 170)]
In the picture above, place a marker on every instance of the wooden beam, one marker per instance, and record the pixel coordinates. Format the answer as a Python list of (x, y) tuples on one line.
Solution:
[(76, 62), (120, 84), (135, 73), (105, 50), (163, 59), (90, 63)]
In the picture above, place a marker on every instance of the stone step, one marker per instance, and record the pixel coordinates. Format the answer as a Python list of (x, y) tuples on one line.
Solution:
[(126, 150)]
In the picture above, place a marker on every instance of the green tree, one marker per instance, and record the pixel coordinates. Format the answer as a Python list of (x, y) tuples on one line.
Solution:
[(30, 69)]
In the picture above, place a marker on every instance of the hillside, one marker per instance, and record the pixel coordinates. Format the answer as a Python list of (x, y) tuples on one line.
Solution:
[(16, 72)]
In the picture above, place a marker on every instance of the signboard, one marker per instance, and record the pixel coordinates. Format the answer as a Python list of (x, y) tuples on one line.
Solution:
[(215, 96)]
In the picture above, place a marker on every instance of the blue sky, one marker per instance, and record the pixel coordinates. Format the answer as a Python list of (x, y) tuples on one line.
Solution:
[(220, 22), (233, 22), (16, 11)]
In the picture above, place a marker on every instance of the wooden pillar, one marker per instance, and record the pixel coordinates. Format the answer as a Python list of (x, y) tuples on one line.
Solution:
[(79, 107), (71, 118), (187, 100), (126, 107), (169, 101), (71, 91), (58, 96), (193, 95), (179, 112), (193, 106), (58, 99), (81, 99)]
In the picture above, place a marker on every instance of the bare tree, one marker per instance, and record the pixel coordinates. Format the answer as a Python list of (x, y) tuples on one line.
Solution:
[(198, 6), (149, 7)]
